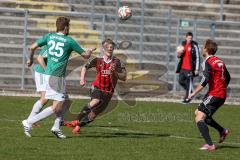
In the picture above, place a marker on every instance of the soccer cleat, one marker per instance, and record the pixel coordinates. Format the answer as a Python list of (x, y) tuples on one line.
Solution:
[(71, 124), (26, 128), (223, 135), (67, 124), (58, 133), (186, 101), (208, 147), (76, 130)]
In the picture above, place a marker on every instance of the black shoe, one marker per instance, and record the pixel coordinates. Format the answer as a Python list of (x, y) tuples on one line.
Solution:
[(186, 101)]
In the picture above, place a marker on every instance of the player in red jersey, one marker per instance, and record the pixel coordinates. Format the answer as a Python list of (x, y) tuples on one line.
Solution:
[(109, 69), (216, 75)]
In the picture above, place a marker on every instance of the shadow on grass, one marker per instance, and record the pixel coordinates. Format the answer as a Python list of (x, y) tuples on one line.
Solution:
[(121, 135), (103, 126), (118, 134), (124, 135), (224, 146), (109, 134), (49, 137)]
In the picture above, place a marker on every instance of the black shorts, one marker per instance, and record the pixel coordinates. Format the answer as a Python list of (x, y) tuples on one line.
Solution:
[(210, 105), (104, 98)]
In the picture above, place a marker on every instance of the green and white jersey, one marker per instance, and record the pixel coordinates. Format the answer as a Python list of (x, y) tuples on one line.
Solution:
[(43, 52), (59, 49)]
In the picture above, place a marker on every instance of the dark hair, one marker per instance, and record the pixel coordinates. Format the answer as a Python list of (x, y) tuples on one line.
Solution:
[(61, 23), (189, 34), (211, 46), (109, 41)]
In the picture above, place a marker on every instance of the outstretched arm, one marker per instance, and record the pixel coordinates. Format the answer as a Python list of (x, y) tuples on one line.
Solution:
[(32, 50), (82, 76), (196, 91), (205, 78), (87, 53)]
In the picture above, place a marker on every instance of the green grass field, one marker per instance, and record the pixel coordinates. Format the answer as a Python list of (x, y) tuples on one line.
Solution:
[(148, 131)]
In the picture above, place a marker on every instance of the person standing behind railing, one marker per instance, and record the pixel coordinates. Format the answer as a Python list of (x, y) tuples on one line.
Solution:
[(189, 64)]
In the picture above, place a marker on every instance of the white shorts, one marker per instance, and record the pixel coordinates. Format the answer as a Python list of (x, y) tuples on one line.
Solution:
[(40, 82), (55, 88)]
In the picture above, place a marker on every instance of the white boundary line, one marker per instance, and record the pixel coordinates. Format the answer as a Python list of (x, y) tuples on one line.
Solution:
[(132, 131), (171, 136), (153, 99), (9, 120)]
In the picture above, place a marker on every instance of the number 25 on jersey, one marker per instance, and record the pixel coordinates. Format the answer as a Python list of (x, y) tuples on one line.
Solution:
[(56, 48)]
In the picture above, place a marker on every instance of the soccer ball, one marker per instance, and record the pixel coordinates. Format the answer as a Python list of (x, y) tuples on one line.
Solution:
[(180, 49), (124, 13)]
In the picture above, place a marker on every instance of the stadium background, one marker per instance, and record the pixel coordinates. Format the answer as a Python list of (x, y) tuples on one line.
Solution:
[(155, 29), (149, 130)]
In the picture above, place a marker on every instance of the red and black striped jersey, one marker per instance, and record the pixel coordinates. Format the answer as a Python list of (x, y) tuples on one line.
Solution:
[(216, 75), (105, 80)]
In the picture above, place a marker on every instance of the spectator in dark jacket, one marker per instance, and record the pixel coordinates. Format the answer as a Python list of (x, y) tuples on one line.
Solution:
[(189, 64)]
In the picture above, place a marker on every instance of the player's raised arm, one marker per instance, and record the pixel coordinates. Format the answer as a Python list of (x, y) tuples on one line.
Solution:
[(86, 54), (32, 50)]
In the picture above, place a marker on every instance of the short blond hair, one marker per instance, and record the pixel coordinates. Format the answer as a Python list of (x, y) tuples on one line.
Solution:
[(109, 41)]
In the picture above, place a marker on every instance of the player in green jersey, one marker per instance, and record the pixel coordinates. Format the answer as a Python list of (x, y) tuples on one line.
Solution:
[(40, 84), (60, 46)]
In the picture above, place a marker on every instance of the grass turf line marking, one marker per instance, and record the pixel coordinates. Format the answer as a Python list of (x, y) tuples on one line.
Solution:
[(9, 120), (131, 131), (171, 136), (156, 99)]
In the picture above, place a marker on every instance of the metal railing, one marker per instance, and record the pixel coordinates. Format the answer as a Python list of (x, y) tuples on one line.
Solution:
[(174, 29), (91, 16), (25, 55), (221, 10), (72, 2)]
